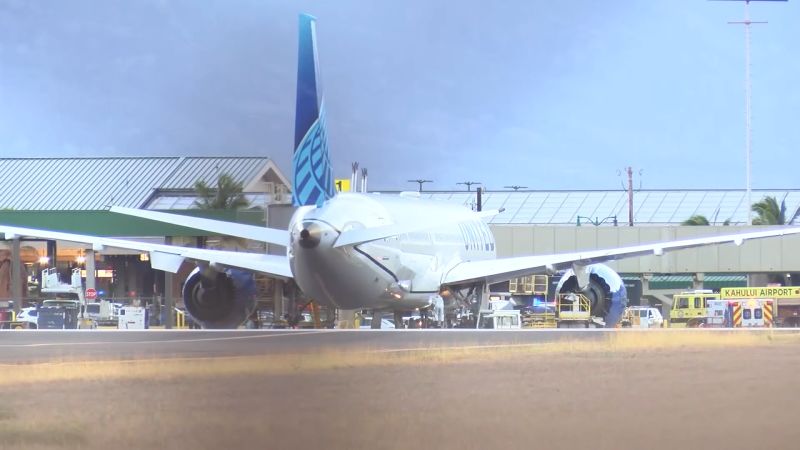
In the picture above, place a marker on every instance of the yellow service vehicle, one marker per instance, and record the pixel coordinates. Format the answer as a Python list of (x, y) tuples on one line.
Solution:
[(690, 309)]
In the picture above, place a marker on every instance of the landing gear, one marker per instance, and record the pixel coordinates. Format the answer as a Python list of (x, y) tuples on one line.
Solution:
[(377, 318)]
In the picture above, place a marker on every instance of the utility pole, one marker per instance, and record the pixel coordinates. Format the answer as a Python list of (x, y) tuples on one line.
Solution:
[(469, 184), (515, 187), (421, 182), (747, 100), (629, 189)]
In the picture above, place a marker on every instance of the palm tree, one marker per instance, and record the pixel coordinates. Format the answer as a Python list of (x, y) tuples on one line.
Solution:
[(697, 219), (768, 212), (226, 195)]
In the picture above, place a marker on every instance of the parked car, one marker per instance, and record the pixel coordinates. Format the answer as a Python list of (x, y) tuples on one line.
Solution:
[(30, 315)]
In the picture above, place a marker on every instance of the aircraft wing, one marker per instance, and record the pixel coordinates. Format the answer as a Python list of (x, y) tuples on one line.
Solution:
[(497, 270), (166, 257), (261, 234)]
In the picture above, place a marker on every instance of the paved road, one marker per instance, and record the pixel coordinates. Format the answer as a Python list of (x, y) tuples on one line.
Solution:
[(32, 346)]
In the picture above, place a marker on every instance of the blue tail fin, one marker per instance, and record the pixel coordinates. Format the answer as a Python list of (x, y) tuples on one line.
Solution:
[(313, 181)]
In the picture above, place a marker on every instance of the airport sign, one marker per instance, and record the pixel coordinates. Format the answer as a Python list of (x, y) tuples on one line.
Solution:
[(760, 292)]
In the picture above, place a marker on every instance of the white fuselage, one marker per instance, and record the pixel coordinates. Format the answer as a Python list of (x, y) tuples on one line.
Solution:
[(398, 272)]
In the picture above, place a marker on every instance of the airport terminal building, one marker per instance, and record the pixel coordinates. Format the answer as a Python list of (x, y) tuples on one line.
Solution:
[(531, 222), (74, 194)]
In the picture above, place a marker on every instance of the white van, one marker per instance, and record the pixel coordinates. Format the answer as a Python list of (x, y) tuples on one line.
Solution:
[(643, 317)]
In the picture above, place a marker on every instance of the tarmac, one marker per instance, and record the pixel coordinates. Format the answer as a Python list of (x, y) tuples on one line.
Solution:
[(29, 346), (587, 396)]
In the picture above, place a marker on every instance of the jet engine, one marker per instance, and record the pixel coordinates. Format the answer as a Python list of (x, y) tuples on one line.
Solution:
[(219, 299), (605, 290)]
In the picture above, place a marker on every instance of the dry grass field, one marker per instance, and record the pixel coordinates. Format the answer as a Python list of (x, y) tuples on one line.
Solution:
[(633, 391)]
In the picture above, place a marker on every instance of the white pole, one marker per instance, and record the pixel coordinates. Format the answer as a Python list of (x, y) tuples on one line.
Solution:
[(748, 119), (747, 105)]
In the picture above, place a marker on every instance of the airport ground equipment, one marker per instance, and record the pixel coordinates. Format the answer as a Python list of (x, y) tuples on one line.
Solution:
[(704, 308), (499, 319), (180, 318), (536, 285), (58, 316), (101, 312), (500, 315), (539, 316), (573, 311), (540, 313), (642, 317), (69, 295), (567, 310), (133, 318)]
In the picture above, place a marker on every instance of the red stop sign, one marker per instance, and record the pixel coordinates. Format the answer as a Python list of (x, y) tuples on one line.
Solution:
[(91, 294)]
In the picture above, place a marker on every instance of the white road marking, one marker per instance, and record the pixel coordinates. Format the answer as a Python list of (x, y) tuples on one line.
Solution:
[(227, 338)]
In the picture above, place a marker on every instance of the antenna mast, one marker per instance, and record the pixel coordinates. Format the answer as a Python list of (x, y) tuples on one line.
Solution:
[(747, 100)]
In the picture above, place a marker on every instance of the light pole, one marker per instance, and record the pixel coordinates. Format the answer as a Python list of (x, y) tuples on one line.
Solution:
[(469, 184), (597, 221), (421, 182)]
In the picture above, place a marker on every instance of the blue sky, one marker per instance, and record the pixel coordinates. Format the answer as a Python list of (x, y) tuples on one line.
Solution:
[(549, 95)]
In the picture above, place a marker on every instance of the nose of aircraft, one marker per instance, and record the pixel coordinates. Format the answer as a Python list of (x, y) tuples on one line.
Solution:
[(310, 235)]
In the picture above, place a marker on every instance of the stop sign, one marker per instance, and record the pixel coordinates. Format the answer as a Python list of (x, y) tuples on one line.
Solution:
[(91, 294)]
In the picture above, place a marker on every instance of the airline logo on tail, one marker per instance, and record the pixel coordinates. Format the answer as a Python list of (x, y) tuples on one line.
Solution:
[(313, 181)]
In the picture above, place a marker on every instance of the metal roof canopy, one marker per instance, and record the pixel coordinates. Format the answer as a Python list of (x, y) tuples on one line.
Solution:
[(72, 184), (651, 206)]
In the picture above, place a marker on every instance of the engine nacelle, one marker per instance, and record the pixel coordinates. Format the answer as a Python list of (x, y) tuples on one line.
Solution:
[(219, 299), (605, 290)]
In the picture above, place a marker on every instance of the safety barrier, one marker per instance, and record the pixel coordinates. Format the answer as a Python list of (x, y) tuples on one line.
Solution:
[(768, 318)]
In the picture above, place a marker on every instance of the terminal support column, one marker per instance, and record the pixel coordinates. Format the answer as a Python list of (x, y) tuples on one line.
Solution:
[(16, 274), (169, 294), (91, 283), (51, 253), (697, 280), (277, 301)]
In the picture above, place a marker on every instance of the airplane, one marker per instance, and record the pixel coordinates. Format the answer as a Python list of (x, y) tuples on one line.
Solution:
[(361, 250)]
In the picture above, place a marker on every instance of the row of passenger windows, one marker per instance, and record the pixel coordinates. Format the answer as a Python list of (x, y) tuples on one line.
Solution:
[(473, 236), (476, 237)]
